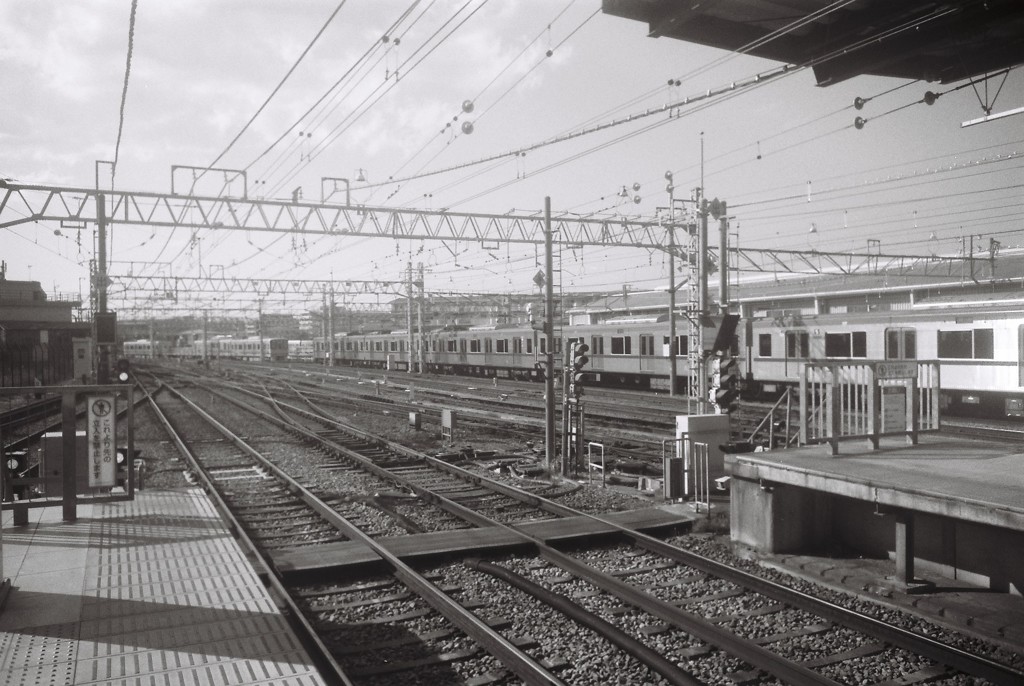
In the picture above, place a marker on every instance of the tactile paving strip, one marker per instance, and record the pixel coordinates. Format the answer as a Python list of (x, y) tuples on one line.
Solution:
[(46, 656), (169, 600)]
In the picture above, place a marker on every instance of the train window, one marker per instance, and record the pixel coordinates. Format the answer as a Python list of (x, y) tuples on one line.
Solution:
[(860, 344), (596, 345), (646, 344), (965, 345), (501, 345), (984, 347), (797, 344), (488, 345), (451, 345), (517, 346), (764, 345), (853, 344), (462, 346), (543, 345), (622, 345), (529, 346), (474, 345), (682, 345)]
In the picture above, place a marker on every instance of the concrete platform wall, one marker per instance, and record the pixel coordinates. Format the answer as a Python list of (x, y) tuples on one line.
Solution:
[(777, 518)]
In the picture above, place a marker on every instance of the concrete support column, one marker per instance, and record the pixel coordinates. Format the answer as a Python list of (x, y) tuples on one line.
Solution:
[(905, 547)]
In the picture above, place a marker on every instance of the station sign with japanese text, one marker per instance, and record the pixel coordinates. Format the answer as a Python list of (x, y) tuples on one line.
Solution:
[(896, 369), (102, 439)]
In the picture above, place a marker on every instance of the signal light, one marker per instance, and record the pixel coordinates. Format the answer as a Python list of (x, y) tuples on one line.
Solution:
[(124, 368), (725, 383), (15, 462), (717, 208), (727, 399), (578, 360), (121, 468)]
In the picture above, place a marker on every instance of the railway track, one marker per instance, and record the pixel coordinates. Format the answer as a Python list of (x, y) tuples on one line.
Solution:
[(636, 609)]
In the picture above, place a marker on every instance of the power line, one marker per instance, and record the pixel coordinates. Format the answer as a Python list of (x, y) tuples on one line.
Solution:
[(124, 88), (281, 83)]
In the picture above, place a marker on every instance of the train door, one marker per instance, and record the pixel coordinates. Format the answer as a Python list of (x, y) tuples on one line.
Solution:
[(646, 351), (900, 344), (797, 351)]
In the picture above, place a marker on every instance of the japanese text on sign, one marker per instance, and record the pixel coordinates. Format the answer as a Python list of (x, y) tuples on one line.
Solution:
[(102, 438)]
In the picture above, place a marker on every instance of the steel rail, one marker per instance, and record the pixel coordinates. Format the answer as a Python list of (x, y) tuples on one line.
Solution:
[(235, 527), (787, 670), (515, 659), (921, 645)]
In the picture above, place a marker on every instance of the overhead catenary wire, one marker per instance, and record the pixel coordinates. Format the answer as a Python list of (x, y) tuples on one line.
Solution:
[(124, 88), (279, 85), (375, 96)]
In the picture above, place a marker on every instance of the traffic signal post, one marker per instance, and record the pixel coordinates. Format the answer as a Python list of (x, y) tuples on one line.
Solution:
[(573, 376)]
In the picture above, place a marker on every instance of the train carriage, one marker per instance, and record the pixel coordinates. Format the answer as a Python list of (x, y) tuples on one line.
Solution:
[(979, 350)]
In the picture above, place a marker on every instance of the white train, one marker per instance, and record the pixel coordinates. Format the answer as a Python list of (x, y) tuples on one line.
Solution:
[(978, 346), (191, 345)]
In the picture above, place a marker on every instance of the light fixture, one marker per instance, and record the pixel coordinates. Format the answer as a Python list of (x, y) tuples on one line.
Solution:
[(361, 177), (814, 228)]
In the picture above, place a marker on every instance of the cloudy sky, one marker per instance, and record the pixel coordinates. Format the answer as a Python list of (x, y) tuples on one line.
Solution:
[(387, 102)]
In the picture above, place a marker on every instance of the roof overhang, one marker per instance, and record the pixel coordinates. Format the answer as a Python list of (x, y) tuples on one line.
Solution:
[(909, 39)]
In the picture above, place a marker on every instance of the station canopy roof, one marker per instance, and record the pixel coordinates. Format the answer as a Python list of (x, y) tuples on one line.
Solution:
[(909, 39)]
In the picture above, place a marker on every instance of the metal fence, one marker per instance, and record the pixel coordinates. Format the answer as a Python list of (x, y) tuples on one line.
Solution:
[(38, 364), (868, 400)]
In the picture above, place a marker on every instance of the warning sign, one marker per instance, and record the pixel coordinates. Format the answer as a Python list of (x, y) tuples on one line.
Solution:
[(894, 409), (102, 438)]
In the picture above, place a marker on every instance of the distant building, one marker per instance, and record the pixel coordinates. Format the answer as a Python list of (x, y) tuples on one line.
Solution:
[(36, 334)]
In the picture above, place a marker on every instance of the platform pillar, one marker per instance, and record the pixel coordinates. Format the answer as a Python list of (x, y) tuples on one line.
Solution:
[(905, 547)]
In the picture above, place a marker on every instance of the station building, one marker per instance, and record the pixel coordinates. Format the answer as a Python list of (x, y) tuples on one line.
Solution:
[(40, 341)]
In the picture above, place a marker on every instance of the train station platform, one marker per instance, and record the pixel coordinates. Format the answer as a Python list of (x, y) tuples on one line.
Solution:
[(949, 505), (150, 591)]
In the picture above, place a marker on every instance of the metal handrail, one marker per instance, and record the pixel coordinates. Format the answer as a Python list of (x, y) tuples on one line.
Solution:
[(769, 420)]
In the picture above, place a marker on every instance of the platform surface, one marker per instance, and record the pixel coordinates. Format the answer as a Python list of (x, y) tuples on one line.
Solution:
[(973, 480), (151, 591)]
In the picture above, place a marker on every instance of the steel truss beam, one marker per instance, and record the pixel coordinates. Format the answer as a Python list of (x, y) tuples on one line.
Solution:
[(255, 287), (20, 203)]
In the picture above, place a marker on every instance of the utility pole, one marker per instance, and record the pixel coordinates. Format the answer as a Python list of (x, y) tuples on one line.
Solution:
[(103, 371), (206, 337), (323, 330), (702, 293), (259, 324), (419, 320), (549, 351), (330, 327), (723, 261), (672, 352), (408, 319)]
